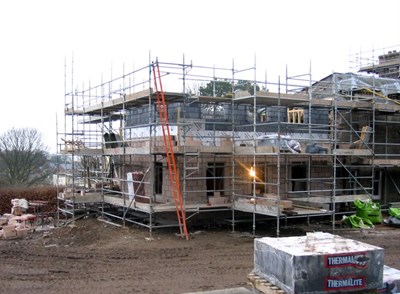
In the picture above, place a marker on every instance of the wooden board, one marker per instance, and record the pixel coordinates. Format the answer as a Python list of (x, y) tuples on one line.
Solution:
[(327, 199), (263, 285), (385, 162), (355, 152)]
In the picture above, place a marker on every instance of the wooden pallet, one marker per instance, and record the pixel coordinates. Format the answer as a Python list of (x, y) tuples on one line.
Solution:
[(262, 285)]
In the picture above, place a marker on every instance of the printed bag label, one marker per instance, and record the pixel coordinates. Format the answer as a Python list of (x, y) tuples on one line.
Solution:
[(344, 283), (358, 259)]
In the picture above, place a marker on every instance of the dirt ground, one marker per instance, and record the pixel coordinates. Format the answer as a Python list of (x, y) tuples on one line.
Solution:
[(96, 257)]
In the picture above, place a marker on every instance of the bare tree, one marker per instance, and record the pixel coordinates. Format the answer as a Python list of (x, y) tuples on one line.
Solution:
[(23, 158)]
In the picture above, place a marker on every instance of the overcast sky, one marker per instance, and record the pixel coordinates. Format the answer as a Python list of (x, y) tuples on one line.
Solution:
[(38, 36)]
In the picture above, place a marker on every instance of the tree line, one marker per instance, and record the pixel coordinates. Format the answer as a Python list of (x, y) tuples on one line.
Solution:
[(26, 162), (24, 159), (223, 88)]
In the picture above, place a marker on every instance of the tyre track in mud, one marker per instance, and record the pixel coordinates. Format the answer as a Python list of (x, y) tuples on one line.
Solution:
[(123, 261), (93, 258)]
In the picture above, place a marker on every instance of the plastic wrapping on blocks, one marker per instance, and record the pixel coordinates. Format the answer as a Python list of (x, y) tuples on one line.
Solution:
[(318, 263)]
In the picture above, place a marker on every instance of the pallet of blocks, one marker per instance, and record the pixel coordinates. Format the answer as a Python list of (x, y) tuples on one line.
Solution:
[(316, 263)]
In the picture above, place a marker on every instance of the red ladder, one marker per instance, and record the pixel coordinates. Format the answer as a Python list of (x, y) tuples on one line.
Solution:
[(169, 151)]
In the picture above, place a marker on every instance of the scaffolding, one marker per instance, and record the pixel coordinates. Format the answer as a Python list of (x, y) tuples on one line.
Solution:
[(384, 62), (244, 147)]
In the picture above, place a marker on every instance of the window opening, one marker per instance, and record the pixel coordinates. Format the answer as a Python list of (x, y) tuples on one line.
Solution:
[(295, 115), (299, 178), (158, 181), (215, 177)]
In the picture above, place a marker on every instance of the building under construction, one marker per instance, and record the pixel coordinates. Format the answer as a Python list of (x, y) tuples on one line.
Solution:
[(189, 140)]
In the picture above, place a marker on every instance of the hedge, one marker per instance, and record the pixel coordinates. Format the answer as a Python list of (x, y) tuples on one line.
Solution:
[(48, 193)]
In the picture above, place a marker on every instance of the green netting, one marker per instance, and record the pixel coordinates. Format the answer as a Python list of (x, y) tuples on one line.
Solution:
[(369, 210), (358, 222), (395, 212)]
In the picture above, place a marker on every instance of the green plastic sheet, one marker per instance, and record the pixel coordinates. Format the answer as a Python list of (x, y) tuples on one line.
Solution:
[(358, 222), (395, 212), (369, 210)]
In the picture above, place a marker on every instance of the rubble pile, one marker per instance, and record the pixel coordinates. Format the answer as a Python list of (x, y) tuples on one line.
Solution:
[(17, 223)]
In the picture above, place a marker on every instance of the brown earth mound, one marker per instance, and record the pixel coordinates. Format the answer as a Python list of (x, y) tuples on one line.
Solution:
[(96, 257)]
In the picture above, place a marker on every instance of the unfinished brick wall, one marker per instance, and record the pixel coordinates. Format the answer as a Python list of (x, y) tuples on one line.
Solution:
[(387, 135), (348, 125), (323, 172), (136, 164), (268, 177)]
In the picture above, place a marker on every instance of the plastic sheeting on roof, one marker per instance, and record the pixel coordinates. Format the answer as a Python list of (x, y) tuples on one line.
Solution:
[(350, 82)]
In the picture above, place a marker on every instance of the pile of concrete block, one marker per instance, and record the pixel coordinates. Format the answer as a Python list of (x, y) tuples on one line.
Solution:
[(12, 226), (17, 223), (318, 263)]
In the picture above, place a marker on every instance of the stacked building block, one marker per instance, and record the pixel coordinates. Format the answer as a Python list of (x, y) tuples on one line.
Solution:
[(319, 263)]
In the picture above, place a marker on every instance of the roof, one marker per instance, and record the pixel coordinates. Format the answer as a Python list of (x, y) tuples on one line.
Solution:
[(351, 82)]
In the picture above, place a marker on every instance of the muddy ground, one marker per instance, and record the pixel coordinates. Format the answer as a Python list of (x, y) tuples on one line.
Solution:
[(95, 257)]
